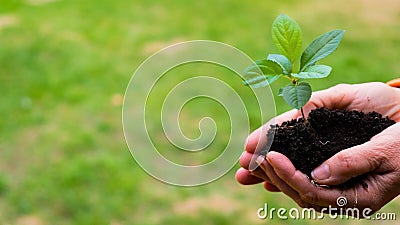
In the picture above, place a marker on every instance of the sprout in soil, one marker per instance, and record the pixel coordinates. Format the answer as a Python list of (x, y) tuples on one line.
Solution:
[(286, 34)]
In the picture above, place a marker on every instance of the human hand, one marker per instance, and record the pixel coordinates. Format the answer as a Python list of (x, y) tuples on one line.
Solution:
[(378, 157)]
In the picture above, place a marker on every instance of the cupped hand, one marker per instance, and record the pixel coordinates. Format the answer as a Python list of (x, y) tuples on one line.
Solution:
[(379, 157)]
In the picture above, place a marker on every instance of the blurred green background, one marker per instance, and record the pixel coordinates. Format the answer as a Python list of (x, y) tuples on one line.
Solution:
[(64, 67)]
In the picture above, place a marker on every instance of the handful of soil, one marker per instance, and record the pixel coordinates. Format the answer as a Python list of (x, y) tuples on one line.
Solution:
[(325, 133)]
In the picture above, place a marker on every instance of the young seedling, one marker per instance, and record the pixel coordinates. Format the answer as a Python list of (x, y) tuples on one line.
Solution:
[(286, 34)]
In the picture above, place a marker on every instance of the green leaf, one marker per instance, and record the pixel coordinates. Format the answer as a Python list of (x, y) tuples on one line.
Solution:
[(312, 72), (297, 95), (261, 81), (282, 61), (280, 92), (320, 48), (264, 67), (286, 34), (273, 78), (256, 82), (262, 73)]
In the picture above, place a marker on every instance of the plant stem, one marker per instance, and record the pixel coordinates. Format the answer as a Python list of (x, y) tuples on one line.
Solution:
[(302, 113)]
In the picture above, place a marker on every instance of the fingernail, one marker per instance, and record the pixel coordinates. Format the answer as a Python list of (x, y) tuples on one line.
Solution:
[(260, 159), (321, 172)]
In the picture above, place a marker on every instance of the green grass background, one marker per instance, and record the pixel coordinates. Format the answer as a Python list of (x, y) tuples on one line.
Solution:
[(64, 67)]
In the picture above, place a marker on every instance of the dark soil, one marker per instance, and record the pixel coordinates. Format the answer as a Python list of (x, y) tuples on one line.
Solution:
[(326, 132)]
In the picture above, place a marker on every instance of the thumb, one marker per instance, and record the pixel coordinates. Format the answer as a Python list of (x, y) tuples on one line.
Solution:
[(348, 163), (378, 154)]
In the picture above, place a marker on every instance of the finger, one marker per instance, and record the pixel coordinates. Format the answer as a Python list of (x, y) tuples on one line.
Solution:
[(245, 159), (245, 163), (375, 155), (353, 97), (282, 186), (248, 161), (245, 177), (300, 183), (385, 99), (260, 174), (300, 189), (270, 187), (348, 164), (336, 97), (281, 171)]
